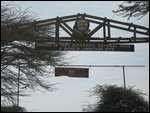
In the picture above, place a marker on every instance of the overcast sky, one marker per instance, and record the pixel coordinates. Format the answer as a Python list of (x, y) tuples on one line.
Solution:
[(72, 92)]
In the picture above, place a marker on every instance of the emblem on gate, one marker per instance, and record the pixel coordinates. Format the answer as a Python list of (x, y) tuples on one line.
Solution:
[(81, 28)]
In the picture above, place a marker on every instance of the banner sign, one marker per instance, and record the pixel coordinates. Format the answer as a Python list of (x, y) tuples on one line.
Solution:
[(72, 72), (78, 46)]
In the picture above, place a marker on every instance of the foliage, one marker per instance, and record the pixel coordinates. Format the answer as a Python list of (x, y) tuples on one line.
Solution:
[(133, 9), (117, 99), (34, 64), (12, 109)]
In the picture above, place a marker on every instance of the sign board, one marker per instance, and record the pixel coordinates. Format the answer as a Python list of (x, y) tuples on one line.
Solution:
[(78, 46), (72, 72), (81, 26)]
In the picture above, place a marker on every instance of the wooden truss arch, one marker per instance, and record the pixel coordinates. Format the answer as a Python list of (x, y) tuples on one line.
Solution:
[(103, 24)]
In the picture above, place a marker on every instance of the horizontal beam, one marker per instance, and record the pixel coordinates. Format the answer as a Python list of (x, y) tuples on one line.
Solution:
[(100, 66), (95, 39)]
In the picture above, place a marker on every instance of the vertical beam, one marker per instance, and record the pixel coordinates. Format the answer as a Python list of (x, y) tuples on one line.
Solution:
[(134, 34), (57, 29), (104, 30), (108, 28), (123, 67), (83, 15)]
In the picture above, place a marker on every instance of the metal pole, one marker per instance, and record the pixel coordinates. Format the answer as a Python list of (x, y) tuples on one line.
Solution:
[(18, 85), (124, 79)]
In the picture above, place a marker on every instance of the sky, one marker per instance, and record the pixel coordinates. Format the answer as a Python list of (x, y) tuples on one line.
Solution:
[(72, 93)]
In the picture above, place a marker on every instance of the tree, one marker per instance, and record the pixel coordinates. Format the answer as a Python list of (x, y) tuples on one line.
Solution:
[(117, 99), (21, 55), (12, 109), (133, 9)]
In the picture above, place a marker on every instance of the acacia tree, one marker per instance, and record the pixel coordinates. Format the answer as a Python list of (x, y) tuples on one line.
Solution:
[(133, 9), (23, 56), (117, 99)]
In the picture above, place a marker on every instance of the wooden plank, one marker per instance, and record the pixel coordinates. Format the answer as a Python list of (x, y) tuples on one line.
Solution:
[(68, 32)]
